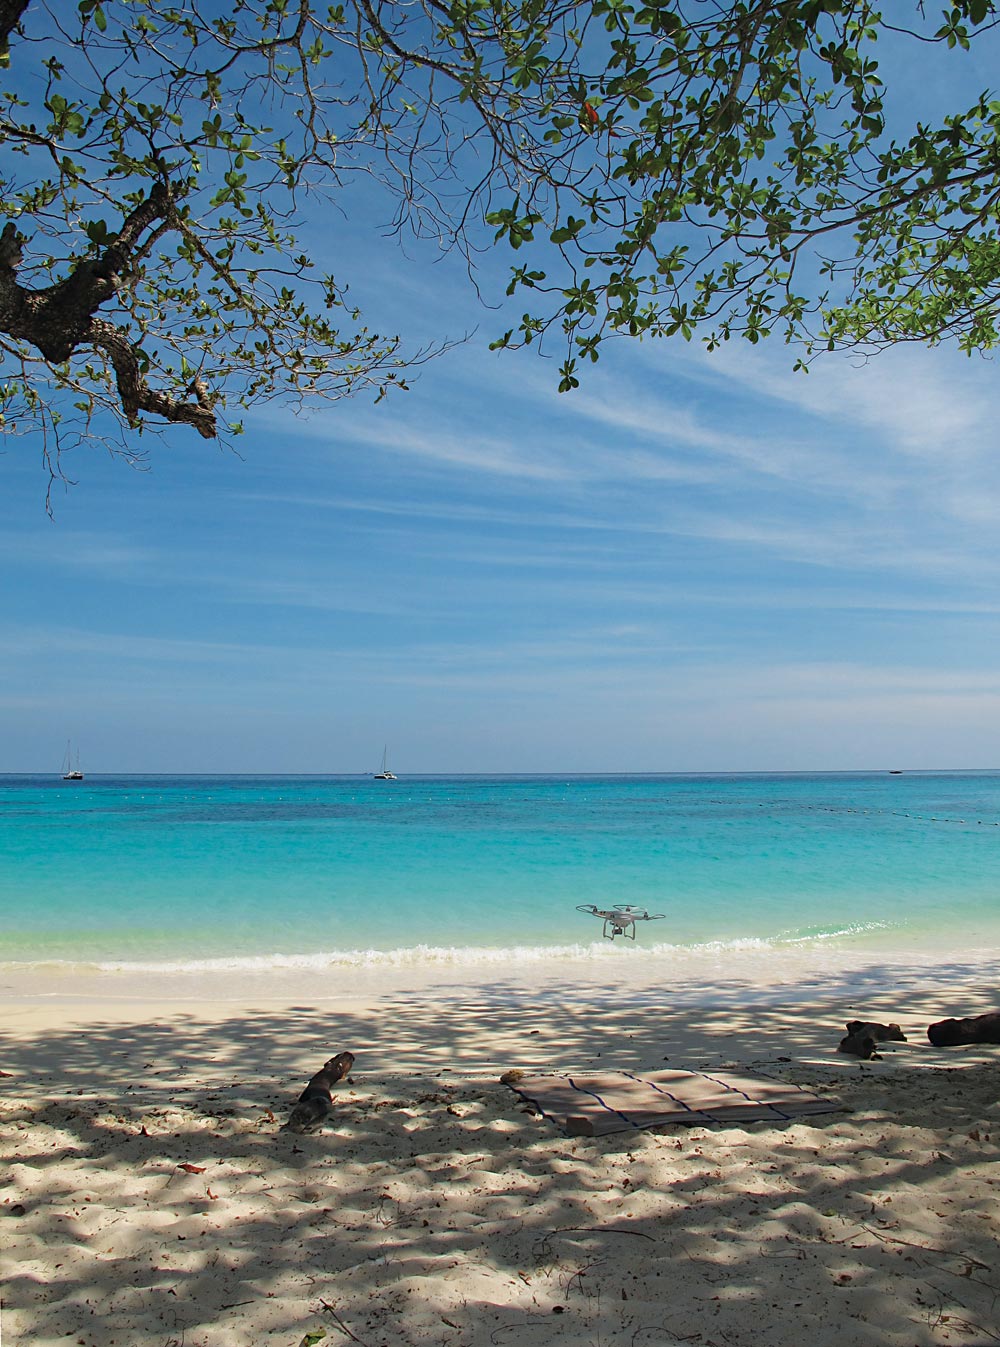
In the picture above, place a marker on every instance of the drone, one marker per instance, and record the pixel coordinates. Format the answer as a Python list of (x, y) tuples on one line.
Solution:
[(620, 920)]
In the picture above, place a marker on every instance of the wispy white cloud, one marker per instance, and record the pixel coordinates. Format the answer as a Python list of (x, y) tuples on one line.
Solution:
[(330, 593), (834, 680), (68, 642), (718, 440), (528, 513), (442, 445), (78, 549), (872, 545), (920, 402)]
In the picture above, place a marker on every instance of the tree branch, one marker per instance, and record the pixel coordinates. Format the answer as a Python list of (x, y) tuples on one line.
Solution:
[(59, 320), (136, 394), (56, 319)]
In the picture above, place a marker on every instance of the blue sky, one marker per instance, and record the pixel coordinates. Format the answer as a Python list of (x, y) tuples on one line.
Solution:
[(694, 563)]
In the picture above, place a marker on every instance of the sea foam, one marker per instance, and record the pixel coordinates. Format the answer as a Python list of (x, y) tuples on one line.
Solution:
[(455, 955)]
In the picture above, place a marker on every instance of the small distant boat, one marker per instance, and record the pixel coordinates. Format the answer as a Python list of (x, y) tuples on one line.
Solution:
[(385, 774), (71, 773), (895, 771)]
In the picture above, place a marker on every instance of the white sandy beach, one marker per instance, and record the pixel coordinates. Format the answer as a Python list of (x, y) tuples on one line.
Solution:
[(148, 1197)]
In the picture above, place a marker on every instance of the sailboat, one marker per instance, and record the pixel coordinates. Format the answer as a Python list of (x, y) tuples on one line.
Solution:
[(71, 773), (385, 774)]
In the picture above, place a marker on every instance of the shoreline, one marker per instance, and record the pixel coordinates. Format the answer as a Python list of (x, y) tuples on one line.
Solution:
[(408, 1017), (706, 975)]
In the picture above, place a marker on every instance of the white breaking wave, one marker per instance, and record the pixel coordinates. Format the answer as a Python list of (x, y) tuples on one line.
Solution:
[(453, 956)]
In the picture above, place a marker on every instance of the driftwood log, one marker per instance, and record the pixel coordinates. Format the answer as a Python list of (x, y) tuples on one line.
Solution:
[(315, 1102), (976, 1029), (862, 1035)]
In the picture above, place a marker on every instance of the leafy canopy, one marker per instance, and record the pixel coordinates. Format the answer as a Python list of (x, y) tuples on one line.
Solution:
[(658, 168)]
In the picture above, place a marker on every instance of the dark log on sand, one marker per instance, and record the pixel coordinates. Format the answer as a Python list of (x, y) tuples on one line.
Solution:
[(858, 1045), (882, 1033), (315, 1101), (977, 1029), (862, 1035)]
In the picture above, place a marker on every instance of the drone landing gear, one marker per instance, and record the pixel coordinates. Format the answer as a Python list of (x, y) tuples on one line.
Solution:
[(619, 920)]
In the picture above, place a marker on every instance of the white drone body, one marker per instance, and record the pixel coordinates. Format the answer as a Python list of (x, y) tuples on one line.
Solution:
[(620, 919)]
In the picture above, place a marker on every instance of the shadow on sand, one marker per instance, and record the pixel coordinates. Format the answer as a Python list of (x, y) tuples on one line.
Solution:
[(433, 1209)]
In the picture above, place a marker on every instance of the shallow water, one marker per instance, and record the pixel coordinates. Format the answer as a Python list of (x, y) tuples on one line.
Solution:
[(255, 872)]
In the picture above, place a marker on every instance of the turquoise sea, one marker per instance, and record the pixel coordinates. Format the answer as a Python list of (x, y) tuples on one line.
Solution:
[(253, 872)]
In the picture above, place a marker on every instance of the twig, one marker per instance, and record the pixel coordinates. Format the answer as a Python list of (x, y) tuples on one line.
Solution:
[(599, 1230), (926, 1248), (331, 1311), (580, 1273), (971, 1327)]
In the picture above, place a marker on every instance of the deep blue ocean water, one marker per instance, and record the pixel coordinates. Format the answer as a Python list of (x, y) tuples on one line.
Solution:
[(256, 871)]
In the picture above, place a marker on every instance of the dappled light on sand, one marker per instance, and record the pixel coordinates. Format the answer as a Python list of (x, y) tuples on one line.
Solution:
[(151, 1198)]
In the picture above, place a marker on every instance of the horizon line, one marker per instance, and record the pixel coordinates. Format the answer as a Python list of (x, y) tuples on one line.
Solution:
[(417, 775)]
